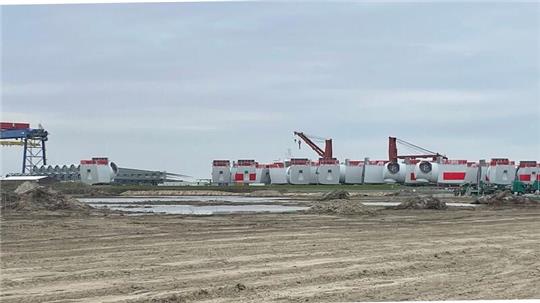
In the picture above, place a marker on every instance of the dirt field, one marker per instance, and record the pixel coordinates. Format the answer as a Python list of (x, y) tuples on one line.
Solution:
[(395, 255)]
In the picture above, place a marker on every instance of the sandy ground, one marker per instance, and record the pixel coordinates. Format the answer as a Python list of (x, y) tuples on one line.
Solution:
[(395, 255)]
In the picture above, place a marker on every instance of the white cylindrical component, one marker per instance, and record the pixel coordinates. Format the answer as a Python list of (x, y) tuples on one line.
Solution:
[(314, 173), (342, 170), (221, 172), (410, 175), (328, 171), (452, 172), (394, 172), (528, 172), (278, 173), (262, 174), (426, 172), (353, 171), (245, 171), (96, 171), (299, 172), (373, 172), (471, 175), (501, 172)]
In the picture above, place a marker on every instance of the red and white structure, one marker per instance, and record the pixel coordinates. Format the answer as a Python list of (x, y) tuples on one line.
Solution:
[(410, 173), (353, 171), (278, 173), (300, 172), (471, 175), (501, 171), (221, 172), (96, 171), (426, 172), (328, 171), (452, 172), (373, 171), (245, 171), (394, 172), (528, 172)]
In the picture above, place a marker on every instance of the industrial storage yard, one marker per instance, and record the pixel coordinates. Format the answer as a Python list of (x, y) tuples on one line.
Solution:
[(270, 151), (413, 227), (346, 246)]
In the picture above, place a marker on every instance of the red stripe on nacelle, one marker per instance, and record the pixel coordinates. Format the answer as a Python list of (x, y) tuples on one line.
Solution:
[(524, 177), (454, 176)]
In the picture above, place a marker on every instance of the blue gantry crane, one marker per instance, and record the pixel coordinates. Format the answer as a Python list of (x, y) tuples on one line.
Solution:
[(32, 139)]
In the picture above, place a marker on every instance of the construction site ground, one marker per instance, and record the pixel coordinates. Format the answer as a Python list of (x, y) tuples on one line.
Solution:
[(410, 254)]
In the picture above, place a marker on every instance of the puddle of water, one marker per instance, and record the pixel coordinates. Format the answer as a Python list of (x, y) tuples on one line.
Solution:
[(397, 203), (202, 210), (232, 199)]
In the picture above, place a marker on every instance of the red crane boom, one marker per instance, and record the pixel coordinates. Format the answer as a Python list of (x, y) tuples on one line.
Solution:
[(393, 152), (325, 154)]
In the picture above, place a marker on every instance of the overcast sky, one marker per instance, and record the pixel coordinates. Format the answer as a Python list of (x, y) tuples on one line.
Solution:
[(173, 86)]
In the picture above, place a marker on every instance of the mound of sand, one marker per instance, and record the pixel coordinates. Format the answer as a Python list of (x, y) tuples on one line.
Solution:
[(505, 198), (32, 197), (418, 202), (335, 195), (340, 207)]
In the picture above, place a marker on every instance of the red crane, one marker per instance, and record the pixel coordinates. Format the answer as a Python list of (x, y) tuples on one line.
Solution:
[(393, 152), (325, 154)]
